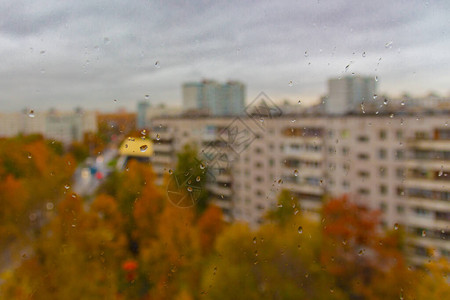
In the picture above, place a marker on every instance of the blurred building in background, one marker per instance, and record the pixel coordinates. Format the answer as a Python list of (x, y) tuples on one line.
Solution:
[(346, 94), (65, 127), (217, 99), (398, 164)]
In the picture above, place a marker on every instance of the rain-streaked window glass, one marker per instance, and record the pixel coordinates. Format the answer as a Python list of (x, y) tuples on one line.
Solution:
[(224, 149)]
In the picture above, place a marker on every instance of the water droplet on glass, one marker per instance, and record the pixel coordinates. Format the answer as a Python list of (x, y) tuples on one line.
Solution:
[(388, 45), (364, 54), (299, 102), (170, 171), (29, 156), (300, 229), (106, 41), (361, 252), (49, 206), (67, 186), (31, 114), (295, 173), (42, 52), (391, 116), (158, 137), (143, 148), (396, 226), (290, 83), (202, 166), (424, 233), (376, 78), (147, 97), (197, 179), (346, 67), (441, 171), (189, 189), (157, 65), (280, 205), (402, 103), (254, 240), (306, 53), (385, 102)]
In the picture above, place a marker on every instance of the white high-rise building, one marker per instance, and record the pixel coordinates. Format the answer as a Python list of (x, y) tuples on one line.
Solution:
[(346, 94), (217, 99)]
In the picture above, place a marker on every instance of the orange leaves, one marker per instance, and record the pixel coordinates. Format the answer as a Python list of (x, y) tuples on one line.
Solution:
[(210, 225)]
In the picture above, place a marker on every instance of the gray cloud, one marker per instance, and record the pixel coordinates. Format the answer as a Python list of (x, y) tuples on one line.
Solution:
[(59, 54)]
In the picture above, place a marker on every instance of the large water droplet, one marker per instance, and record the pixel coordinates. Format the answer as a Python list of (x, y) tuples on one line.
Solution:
[(143, 148), (31, 114), (396, 226), (157, 65), (290, 83), (295, 173), (300, 229), (158, 137)]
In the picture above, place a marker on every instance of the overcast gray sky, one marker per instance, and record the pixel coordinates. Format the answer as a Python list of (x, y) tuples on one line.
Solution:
[(64, 54)]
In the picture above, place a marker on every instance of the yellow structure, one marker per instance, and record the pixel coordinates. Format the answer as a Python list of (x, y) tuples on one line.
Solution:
[(136, 147)]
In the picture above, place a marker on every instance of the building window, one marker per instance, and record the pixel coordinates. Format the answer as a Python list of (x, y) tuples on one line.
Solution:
[(363, 174), (400, 191), (400, 209), (400, 172), (382, 172), (399, 134), (383, 189), (363, 138), (363, 156), (383, 134), (399, 154), (345, 133), (363, 191), (382, 153), (346, 166), (345, 151), (383, 206)]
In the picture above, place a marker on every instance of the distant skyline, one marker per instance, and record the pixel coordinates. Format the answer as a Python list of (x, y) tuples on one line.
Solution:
[(65, 54)]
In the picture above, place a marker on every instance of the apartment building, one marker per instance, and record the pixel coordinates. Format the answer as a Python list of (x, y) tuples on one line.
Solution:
[(396, 164), (65, 127), (217, 99)]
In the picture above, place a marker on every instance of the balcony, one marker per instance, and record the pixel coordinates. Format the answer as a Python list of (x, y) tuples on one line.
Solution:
[(219, 190), (427, 184), (163, 159), (304, 188), (162, 147), (305, 155), (429, 144)]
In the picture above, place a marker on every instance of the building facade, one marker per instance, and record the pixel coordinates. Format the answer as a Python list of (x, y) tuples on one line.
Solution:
[(217, 99), (346, 94), (65, 127), (399, 165)]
